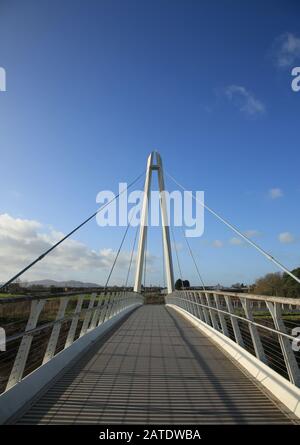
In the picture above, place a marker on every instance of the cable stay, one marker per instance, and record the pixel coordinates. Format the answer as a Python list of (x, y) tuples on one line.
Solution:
[(163, 262), (145, 264), (131, 259), (43, 255), (237, 231), (191, 254), (194, 260), (176, 254), (118, 253), (116, 257)]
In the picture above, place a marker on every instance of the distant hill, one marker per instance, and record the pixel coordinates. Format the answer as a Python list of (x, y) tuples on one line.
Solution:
[(70, 283)]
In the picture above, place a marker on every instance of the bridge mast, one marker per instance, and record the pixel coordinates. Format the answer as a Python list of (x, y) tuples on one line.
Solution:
[(151, 166)]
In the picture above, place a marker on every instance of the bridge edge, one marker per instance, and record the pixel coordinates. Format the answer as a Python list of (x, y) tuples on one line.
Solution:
[(18, 396), (287, 393)]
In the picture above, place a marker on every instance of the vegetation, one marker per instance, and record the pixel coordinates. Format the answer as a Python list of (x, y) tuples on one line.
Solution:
[(278, 284), (182, 284), (272, 284), (7, 295), (238, 285)]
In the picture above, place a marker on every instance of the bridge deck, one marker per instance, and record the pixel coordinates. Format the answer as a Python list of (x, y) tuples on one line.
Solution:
[(154, 368)]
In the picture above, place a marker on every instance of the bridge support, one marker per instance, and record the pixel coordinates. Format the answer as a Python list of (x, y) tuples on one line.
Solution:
[(151, 166)]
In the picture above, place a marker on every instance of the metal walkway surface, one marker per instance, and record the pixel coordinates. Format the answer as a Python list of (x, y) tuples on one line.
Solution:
[(155, 368)]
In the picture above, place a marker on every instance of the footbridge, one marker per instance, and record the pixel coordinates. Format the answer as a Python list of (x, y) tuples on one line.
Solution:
[(105, 357)]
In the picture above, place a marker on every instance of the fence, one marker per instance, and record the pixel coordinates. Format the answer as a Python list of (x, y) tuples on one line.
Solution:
[(264, 326), (38, 328)]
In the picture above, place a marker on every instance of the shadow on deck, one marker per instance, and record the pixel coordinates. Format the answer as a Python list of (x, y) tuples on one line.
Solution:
[(155, 368)]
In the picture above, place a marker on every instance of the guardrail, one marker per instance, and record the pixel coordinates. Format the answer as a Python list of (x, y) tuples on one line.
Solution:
[(38, 328), (267, 327)]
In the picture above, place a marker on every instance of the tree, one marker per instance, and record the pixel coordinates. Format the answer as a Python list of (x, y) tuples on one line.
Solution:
[(16, 286), (278, 284), (182, 284), (237, 285), (178, 284), (186, 284), (291, 288), (269, 284)]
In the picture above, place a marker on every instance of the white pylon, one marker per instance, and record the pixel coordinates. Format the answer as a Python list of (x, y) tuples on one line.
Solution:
[(151, 166)]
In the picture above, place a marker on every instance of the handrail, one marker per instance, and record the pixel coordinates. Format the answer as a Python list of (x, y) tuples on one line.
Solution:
[(273, 345), (282, 300), (47, 296), (239, 317), (101, 307)]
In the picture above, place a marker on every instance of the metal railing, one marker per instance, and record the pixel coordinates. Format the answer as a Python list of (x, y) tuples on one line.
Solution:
[(264, 326), (37, 328)]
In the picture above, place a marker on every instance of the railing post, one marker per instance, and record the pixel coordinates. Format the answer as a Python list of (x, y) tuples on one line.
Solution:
[(187, 301), (88, 315), (204, 309), (96, 313), (221, 316), (197, 311), (234, 323), (112, 305), (184, 301), (23, 351), (74, 323), (258, 347), (103, 310), (191, 299), (178, 299), (212, 312), (108, 307), (118, 303), (199, 308), (51, 347), (123, 300), (116, 311), (286, 348)]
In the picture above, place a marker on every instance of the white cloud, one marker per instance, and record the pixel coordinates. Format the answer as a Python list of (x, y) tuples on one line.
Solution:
[(244, 100), (286, 50), (217, 243), (252, 233), (286, 238), (236, 241), (275, 193), (22, 240)]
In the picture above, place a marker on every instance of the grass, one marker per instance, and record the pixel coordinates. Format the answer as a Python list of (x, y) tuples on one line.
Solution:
[(5, 295)]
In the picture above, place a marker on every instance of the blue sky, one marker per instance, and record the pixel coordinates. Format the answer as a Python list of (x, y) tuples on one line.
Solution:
[(94, 86)]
